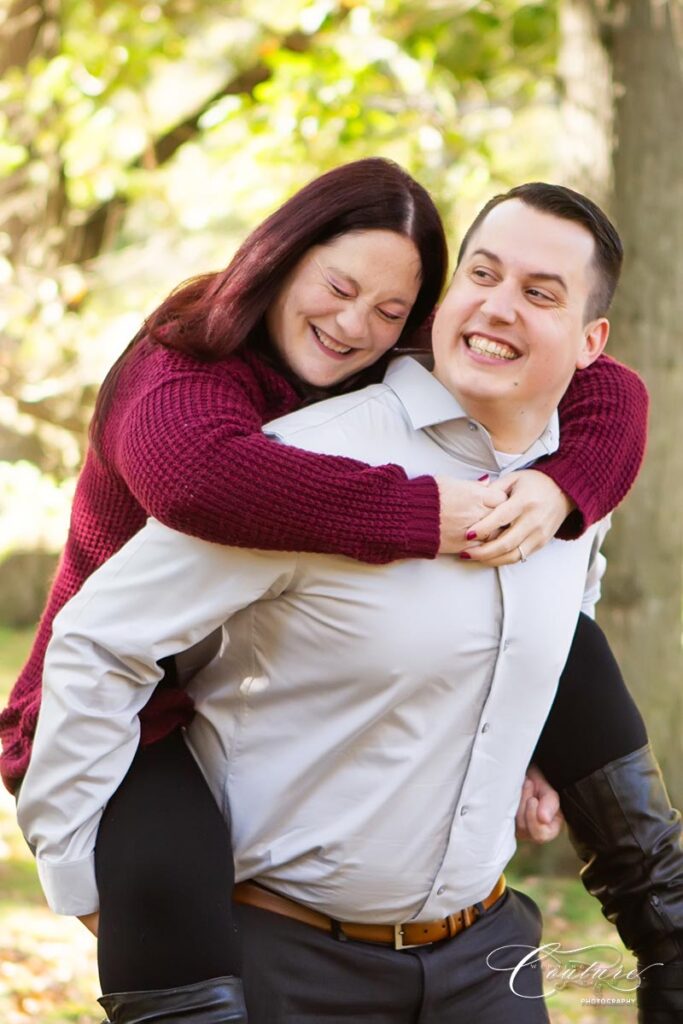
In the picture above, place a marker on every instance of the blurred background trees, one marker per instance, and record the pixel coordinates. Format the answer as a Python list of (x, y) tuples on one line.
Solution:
[(140, 142)]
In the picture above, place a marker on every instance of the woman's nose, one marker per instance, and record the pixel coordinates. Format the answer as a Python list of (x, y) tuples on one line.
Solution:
[(353, 319)]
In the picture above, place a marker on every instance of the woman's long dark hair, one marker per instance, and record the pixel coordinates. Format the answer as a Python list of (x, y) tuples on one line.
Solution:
[(214, 315)]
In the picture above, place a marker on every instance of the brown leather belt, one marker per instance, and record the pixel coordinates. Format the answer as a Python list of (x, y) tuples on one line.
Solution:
[(400, 936)]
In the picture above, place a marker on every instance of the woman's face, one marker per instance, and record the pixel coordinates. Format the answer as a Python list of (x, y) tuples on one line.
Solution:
[(344, 305)]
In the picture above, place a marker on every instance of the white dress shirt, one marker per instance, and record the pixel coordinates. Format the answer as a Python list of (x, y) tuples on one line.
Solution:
[(367, 728)]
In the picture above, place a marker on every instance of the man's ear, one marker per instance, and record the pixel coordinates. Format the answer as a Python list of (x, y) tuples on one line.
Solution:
[(595, 335)]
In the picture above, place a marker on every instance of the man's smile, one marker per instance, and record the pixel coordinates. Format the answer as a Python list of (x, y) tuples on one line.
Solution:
[(493, 348)]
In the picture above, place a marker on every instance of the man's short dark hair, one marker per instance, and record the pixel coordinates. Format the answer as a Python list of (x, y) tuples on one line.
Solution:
[(569, 205)]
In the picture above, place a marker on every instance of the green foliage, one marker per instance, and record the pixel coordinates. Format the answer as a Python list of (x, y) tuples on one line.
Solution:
[(144, 141)]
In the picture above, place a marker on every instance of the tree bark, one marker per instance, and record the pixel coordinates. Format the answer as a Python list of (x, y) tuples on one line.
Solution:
[(584, 66), (642, 608), (644, 592)]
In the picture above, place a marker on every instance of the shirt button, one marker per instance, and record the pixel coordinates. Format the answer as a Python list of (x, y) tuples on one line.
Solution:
[(506, 644), (472, 426), (485, 727), (464, 810), (441, 890)]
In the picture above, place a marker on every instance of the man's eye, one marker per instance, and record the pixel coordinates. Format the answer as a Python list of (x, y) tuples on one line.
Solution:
[(543, 296), (482, 275)]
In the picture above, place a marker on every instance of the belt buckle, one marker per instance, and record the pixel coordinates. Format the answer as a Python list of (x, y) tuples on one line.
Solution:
[(398, 939)]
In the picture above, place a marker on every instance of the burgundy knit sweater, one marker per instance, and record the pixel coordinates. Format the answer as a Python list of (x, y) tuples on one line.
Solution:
[(182, 443)]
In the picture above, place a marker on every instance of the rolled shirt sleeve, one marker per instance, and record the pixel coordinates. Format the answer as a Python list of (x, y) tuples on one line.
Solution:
[(159, 595), (597, 566)]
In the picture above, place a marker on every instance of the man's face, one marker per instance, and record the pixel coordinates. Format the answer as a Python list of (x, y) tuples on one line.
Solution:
[(511, 329)]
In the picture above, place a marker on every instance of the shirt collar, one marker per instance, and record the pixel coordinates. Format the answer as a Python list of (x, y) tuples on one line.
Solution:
[(428, 403), (423, 397)]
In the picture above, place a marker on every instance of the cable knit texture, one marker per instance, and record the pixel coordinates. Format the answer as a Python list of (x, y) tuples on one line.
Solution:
[(182, 443)]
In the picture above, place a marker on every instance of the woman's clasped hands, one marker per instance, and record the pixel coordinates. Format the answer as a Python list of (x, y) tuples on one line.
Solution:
[(500, 522)]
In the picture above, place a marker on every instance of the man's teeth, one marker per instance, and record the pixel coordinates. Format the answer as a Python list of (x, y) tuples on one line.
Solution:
[(491, 348), (330, 343)]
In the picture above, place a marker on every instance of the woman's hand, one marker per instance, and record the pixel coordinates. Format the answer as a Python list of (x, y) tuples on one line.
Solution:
[(91, 922), (464, 502), (539, 817), (533, 513)]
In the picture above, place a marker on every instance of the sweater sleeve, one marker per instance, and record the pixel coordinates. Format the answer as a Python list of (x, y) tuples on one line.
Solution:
[(192, 453), (603, 432)]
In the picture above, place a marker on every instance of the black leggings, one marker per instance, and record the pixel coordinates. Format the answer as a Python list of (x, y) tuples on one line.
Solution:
[(165, 875), (163, 858), (594, 719)]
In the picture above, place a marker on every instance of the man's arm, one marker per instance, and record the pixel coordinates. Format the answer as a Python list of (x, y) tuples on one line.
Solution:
[(159, 595), (597, 566)]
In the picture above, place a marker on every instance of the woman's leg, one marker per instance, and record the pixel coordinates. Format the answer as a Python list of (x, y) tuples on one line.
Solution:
[(594, 750), (594, 719), (165, 877)]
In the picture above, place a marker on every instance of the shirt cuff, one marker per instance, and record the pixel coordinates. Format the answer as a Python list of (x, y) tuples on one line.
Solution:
[(70, 888)]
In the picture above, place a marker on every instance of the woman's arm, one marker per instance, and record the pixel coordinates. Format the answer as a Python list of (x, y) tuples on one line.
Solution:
[(160, 594), (192, 453), (603, 433)]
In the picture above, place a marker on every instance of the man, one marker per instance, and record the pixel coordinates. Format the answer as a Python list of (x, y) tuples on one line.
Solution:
[(370, 728)]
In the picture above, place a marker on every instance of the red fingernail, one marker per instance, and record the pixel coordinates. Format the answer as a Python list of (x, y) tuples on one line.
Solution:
[(463, 554), (484, 477), (472, 535)]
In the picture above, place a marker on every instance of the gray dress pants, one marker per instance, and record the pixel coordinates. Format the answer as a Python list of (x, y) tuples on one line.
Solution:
[(296, 974)]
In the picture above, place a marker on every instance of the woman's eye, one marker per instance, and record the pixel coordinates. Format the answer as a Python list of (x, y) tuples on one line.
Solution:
[(339, 291), (391, 317)]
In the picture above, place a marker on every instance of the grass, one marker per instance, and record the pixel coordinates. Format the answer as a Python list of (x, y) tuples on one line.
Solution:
[(48, 965)]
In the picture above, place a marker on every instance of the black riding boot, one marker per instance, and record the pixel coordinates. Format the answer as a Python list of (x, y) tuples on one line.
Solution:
[(217, 1001), (622, 825)]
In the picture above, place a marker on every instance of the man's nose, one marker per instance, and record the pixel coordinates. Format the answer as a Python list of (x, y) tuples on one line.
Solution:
[(500, 304), (353, 319)]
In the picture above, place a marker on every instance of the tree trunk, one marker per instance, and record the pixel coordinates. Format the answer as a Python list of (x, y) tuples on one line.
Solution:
[(642, 609), (645, 594), (585, 145)]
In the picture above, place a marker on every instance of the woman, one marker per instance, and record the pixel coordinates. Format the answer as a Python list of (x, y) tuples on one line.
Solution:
[(177, 436)]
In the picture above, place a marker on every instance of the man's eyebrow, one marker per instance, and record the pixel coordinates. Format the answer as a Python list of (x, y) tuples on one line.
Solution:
[(540, 275), (537, 275), (488, 254), (352, 281)]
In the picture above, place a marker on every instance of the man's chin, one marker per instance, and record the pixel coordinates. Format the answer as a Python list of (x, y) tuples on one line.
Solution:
[(467, 387)]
